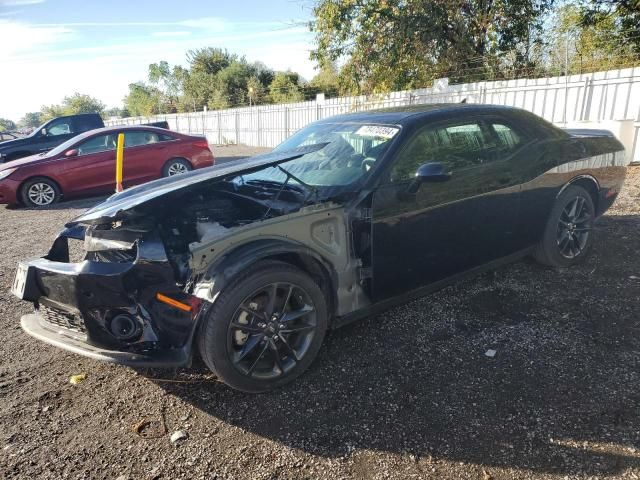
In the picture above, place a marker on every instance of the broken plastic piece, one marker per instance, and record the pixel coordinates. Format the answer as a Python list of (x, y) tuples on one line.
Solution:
[(490, 353)]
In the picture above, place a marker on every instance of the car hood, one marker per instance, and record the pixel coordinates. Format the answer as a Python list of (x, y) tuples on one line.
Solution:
[(17, 142), (24, 161), (114, 207)]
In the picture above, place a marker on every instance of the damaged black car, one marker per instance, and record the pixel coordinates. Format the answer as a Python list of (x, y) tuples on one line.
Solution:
[(249, 263)]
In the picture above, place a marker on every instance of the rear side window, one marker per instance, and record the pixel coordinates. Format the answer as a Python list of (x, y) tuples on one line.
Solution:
[(506, 136), (137, 138)]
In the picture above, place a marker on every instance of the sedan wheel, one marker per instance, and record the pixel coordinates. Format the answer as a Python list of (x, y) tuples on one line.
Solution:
[(40, 192), (176, 167), (265, 328), (568, 234)]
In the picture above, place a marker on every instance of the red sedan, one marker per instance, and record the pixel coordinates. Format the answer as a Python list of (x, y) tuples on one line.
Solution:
[(86, 165)]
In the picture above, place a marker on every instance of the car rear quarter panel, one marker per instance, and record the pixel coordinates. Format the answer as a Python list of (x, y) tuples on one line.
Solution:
[(597, 164)]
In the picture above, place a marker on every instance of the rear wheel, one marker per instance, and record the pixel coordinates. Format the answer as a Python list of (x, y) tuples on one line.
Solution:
[(176, 166), (265, 328), (569, 232), (39, 192)]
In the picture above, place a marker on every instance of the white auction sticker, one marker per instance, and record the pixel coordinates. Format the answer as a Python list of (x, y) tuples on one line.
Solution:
[(377, 131)]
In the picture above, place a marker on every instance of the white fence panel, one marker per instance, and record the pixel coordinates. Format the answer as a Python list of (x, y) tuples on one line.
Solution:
[(594, 97)]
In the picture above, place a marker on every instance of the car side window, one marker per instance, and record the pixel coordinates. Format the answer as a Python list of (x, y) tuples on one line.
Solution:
[(59, 127), (457, 146), (135, 139), (101, 143)]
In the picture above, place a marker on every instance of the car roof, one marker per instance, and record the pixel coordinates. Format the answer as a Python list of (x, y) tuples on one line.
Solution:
[(407, 114), (126, 128)]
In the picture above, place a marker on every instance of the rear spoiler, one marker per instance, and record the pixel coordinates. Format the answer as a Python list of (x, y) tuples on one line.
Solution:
[(588, 132)]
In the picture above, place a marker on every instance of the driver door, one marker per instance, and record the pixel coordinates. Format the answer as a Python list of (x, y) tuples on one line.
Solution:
[(425, 232)]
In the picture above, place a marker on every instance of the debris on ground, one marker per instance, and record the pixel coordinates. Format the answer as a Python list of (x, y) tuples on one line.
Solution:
[(179, 435), (490, 353), (77, 379)]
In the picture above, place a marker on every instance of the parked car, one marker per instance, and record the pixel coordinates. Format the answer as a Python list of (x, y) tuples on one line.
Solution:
[(250, 262), (85, 164), (49, 135), (4, 136)]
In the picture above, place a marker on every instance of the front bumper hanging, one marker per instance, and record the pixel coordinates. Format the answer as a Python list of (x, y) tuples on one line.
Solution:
[(108, 310)]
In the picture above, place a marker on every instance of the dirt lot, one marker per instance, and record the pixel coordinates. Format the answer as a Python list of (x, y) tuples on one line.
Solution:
[(406, 394)]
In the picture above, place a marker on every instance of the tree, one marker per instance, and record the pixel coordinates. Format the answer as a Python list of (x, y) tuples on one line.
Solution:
[(326, 81), (624, 13), (6, 124), (31, 119), (142, 100), (399, 44), (72, 105), (285, 88), (169, 82)]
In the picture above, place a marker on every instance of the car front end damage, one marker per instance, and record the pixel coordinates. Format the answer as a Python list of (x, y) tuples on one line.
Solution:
[(156, 257), (120, 304)]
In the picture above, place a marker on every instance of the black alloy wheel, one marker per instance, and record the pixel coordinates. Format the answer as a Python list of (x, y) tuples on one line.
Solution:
[(569, 232), (265, 328)]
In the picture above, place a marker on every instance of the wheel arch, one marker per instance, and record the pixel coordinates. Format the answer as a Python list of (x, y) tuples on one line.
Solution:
[(46, 177), (589, 183), (223, 271)]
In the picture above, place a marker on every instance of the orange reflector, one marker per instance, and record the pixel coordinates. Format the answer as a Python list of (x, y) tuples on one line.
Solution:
[(173, 303)]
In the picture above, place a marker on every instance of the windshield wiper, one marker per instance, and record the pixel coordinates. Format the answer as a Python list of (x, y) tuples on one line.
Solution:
[(311, 189)]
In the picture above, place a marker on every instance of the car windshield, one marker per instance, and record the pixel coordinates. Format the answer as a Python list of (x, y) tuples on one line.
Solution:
[(352, 150)]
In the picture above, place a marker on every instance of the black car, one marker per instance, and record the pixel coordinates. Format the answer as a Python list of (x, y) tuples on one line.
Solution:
[(250, 262), (49, 135)]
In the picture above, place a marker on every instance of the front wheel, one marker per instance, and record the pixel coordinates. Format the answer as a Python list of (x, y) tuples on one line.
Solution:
[(265, 328), (568, 235), (39, 192)]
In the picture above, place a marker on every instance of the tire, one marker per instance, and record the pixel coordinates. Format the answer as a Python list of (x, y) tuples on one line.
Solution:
[(259, 352), (568, 235), (176, 166), (39, 192)]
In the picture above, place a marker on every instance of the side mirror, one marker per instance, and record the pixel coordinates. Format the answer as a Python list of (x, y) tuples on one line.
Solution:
[(432, 172), (43, 132), (71, 153)]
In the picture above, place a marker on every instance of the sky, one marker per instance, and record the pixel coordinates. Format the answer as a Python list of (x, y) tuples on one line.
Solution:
[(53, 48)]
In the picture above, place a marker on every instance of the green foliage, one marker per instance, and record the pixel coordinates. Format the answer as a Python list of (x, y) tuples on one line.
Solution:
[(169, 82), (399, 44), (285, 88), (72, 105), (31, 119), (623, 14), (6, 124), (142, 100), (326, 81)]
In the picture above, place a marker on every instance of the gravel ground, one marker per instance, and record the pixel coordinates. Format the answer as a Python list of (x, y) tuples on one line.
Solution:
[(406, 394)]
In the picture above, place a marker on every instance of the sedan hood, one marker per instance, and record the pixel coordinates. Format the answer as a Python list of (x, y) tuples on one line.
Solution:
[(24, 161), (112, 208)]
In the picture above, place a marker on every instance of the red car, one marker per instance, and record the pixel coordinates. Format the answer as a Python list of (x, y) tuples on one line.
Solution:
[(86, 164)]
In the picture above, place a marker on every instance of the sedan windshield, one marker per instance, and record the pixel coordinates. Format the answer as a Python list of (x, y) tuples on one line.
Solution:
[(352, 150)]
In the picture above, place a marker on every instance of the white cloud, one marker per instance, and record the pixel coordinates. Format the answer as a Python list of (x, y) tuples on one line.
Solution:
[(18, 37), (171, 34), (45, 66), (18, 3)]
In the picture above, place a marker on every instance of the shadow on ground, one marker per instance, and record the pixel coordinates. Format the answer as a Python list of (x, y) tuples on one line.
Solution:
[(560, 396)]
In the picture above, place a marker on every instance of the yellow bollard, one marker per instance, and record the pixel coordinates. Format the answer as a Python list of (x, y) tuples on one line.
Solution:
[(119, 162)]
